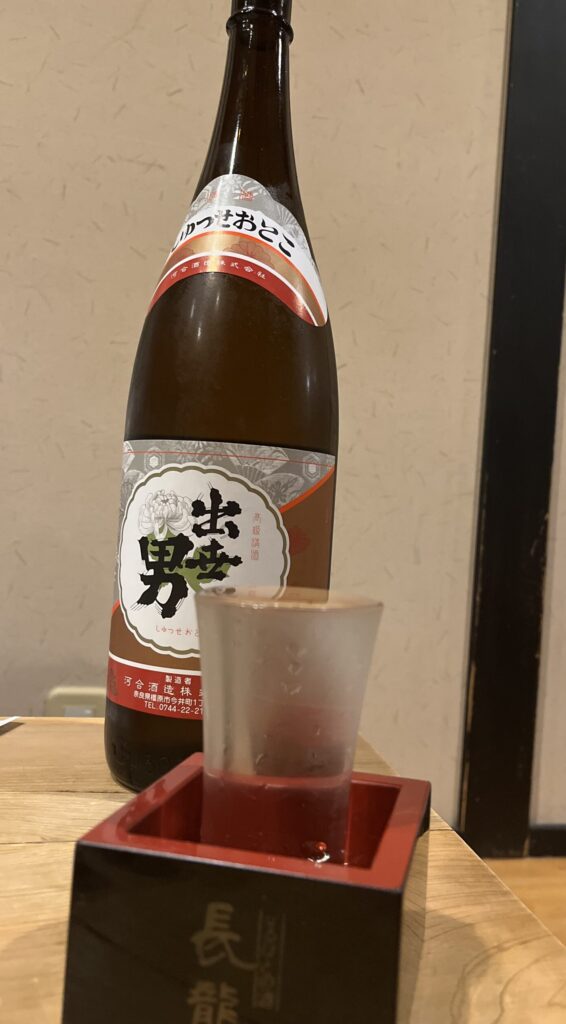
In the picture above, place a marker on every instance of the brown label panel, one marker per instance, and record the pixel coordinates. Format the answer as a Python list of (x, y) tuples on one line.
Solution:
[(298, 492)]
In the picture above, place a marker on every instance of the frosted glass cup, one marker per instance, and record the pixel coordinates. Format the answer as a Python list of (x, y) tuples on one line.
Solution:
[(283, 682)]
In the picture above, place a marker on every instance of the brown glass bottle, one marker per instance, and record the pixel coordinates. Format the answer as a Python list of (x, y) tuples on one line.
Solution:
[(239, 374)]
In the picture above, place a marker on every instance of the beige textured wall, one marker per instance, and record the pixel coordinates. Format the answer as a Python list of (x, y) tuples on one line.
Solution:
[(548, 803), (107, 112)]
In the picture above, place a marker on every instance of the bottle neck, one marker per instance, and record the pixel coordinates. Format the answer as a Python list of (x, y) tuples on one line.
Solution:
[(252, 134)]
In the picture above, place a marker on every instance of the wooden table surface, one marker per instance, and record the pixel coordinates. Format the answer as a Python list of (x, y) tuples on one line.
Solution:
[(487, 959)]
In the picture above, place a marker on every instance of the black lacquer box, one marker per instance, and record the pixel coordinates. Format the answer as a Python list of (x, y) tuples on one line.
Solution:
[(167, 930)]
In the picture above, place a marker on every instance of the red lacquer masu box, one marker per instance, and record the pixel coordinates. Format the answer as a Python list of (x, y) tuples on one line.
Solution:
[(167, 930)]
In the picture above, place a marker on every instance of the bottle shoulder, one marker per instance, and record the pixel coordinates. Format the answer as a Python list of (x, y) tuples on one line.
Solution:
[(221, 358), (216, 310)]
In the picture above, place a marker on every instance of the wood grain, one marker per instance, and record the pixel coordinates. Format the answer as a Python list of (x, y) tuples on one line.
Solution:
[(34, 905), (486, 959), (53, 817), (55, 755), (540, 882)]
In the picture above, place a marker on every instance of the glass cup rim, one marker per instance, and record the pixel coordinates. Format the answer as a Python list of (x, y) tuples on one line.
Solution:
[(303, 599)]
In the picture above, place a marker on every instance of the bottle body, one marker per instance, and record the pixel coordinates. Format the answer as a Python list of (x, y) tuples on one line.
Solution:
[(231, 431)]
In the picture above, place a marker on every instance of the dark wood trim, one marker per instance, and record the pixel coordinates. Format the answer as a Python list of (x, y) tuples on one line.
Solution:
[(518, 446), (548, 841)]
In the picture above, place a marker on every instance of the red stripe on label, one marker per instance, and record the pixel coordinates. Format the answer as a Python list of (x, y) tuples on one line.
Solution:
[(157, 692), (237, 268)]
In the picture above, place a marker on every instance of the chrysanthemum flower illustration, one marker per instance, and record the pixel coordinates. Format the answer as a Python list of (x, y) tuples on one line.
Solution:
[(164, 512)]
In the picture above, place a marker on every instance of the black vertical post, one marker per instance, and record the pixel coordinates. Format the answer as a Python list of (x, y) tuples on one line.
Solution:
[(520, 419)]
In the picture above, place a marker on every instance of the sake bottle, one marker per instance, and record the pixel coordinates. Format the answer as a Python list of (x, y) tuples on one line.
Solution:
[(232, 419)]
